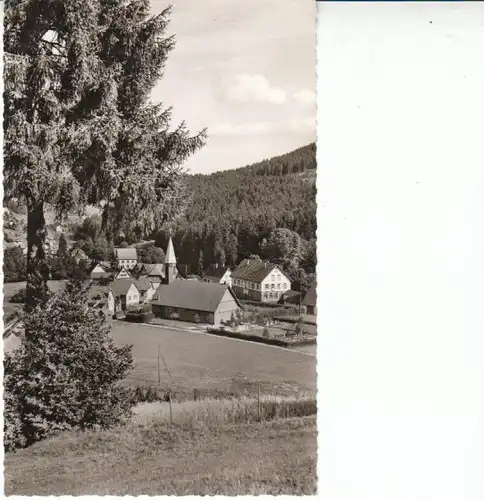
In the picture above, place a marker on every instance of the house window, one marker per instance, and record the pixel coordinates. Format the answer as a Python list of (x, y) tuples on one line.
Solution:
[(272, 278), (284, 286), (278, 277), (272, 286), (267, 286), (266, 295), (278, 286), (270, 295)]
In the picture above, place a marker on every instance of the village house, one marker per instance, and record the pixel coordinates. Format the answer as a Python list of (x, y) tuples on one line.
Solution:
[(126, 257), (309, 300), (192, 300), (100, 271), (123, 274), (102, 298), (146, 289), (260, 281), (218, 274), (126, 294), (154, 273)]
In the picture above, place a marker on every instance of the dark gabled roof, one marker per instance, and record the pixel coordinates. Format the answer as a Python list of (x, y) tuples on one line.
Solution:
[(126, 253), (193, 295), (121, 286), (98, 292), (255, 270), (214, 271), (143, 284), (310, 297)]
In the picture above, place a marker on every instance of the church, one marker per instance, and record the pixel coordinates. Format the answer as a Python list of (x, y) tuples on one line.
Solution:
[(189, 300)]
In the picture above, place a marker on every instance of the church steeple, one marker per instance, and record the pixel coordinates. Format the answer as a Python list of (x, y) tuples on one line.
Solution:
[(170, 253), (170, 263)]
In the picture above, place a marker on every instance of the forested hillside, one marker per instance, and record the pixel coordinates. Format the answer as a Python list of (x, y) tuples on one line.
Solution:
[(267, 209), (234, 214)]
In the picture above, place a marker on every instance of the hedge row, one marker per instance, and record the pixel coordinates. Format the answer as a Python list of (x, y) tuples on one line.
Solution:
[(260, 340), (139, 317), (269, 305), (291, 319)]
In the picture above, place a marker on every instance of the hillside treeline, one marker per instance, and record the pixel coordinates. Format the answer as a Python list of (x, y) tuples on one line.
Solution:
[(232, 214)]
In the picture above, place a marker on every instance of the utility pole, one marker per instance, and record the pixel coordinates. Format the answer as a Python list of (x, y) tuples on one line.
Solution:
[(159, 376)]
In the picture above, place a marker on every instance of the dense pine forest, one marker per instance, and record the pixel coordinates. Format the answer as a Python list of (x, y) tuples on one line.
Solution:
[(266, 209)]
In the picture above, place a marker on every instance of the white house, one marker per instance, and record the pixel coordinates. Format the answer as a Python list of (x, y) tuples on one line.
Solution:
[(126, 257), (123, 274), (126, 293), (218, 274), (259, 281)]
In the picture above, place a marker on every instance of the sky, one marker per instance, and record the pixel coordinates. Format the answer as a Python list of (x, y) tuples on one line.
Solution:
[(246, 71)]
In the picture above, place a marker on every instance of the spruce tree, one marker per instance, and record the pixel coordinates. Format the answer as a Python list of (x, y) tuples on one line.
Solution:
[(79, 128), (200, 269), (62, 251)]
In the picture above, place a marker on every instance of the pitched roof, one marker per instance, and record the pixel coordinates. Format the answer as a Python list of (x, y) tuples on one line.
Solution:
[(310, 297), (193, 295), (253, 270), (122, 286), (170, 253), (126, 253), (143, 284), (154, 269), (105, 269), (215, 271)]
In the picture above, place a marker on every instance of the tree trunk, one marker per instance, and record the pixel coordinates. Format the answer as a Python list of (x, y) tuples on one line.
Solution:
[(37, 269)]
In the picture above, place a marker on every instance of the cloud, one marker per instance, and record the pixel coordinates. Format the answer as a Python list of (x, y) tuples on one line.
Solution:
[(305, 97), (261, 128), (246, 88)]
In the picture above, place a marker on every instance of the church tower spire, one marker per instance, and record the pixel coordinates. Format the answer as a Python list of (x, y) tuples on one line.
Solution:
[(170, 263)]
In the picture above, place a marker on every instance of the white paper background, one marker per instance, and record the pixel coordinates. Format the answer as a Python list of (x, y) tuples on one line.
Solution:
[(400, 213)]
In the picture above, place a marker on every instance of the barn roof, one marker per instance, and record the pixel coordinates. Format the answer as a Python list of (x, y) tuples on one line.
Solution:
[(193, 295), (215, 271), (126, 253)]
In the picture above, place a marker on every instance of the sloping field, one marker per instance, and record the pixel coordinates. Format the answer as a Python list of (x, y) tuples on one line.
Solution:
[(203, 361), (274, 458)]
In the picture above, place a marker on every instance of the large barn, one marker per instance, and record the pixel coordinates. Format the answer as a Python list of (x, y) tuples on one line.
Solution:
[(195, 301), (191, 300)]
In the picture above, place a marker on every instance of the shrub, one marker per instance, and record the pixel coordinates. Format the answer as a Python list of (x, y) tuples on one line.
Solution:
[(265, 333), (139, 316), (65, 374), (19, 297), (14, 265), (150, 395)]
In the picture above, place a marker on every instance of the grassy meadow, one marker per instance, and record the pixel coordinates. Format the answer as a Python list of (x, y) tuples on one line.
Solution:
[(200, 361), (212, 448)]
